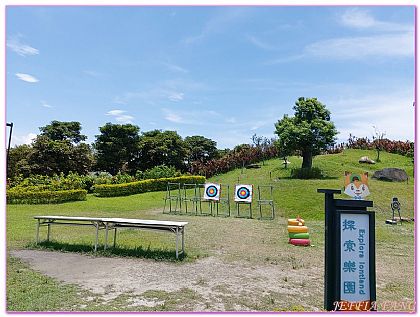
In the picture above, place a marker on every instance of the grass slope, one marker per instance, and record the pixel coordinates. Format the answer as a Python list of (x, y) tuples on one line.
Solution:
[(231, 239)]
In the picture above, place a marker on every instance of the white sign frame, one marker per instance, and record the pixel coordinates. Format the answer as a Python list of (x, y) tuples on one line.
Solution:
[(355, 257)]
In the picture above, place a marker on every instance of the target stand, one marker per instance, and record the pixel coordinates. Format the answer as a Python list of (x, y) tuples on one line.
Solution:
[(173, 194), (190, 197), (203, 202), (395, 206), (265, 198), (223, 204), (238, 208), (243, 196)]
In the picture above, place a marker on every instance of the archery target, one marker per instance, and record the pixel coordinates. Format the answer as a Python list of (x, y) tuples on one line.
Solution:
[(243, 193), (212, 191)]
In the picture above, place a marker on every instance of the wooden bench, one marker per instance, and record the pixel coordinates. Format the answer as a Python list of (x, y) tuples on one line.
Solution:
[(176, 227)]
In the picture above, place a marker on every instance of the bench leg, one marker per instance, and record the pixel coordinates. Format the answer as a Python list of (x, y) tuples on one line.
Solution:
[(176, 243), (115, 236), (97, 233), (48, 232), (183, 244), (37, 232), (106, 236)]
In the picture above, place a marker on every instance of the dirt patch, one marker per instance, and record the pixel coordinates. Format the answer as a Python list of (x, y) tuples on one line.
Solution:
[(216, 285)]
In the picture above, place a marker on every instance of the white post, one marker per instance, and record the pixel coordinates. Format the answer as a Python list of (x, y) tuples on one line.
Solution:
[(106, 235), (176, 248), (48, 232), (97, 232), (115, 235), (183, 229), (37, 232)]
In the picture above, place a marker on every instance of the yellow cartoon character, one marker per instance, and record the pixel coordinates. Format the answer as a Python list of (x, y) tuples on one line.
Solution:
[(356, 185)]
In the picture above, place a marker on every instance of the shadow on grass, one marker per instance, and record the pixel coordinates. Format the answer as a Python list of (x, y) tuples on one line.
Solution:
[(138, 252)]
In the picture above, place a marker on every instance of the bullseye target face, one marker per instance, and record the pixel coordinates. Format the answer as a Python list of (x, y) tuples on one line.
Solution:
[(212, 191), (243, 193)]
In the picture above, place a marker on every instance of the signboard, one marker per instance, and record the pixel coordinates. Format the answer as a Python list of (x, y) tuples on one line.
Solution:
[(350, 277), (243, 193), (211, 191), (354, 266)]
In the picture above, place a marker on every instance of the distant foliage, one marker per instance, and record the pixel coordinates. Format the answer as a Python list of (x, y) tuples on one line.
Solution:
[(148, 185), (405, 148), (51, 183), (25, 196), (242, 155), (307, 173), (160, 171)]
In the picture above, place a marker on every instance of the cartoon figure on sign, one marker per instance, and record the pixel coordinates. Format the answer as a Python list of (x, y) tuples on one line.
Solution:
[(356, 185)]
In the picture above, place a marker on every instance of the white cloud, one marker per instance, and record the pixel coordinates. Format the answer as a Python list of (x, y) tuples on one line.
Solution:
[(362, 19), (115, 112), (20, 48), (176, 96), (357, 18), (385, 39), (176, 68), (261, 44), (191, 117), (45, 104), (26, 77), (173, 118), (387, 45), (22, 139), (392, 113), (93, 73), (120, 116), (218, 23)]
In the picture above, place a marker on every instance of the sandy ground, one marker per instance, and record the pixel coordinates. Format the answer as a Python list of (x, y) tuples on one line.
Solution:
[(220, 286)]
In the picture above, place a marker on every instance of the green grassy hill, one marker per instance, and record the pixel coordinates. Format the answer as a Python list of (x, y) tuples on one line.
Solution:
[(246, 242), (294, 197)]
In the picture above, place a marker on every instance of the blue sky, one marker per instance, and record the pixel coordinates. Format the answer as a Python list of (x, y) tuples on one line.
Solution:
[(222, 72)]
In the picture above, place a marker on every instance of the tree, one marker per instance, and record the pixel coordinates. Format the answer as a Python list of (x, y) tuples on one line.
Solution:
[(162, 148), (310, 130), (63, 131), (200, 148), (19, 161), (378, 141), (117, 146), (49, 157)]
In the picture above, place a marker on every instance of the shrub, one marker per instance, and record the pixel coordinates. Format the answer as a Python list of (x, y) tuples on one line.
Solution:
[(24, 196), (306, 173), (148, 185), (241, 155), (397, 147), (122, 178), (160, 171), (52, 183)]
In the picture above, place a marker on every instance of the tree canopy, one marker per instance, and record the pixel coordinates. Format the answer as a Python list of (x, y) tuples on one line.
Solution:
[(200, 148), (162, 148), (50, 157), (309, 131), (117, 147), (63, 131)]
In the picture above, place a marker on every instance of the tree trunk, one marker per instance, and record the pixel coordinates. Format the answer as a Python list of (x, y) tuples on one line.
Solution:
[(307, 159)]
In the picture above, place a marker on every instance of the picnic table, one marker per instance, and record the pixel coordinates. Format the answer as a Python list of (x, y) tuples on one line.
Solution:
[(176, 227)]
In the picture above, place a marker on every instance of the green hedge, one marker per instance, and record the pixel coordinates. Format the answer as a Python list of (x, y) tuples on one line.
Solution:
[(19, 196), (148, 185)]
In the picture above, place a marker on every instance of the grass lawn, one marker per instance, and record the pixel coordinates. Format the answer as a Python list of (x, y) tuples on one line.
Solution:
[(231, 240)]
